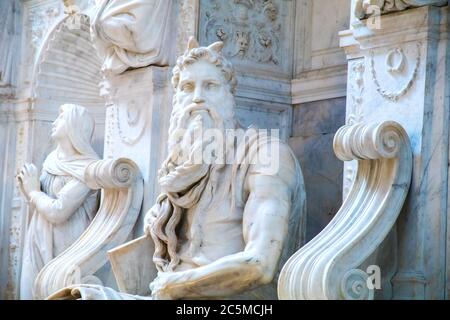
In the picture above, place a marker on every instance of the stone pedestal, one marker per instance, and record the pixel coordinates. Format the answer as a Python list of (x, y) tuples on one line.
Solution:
[(137, 117), (400, 72)]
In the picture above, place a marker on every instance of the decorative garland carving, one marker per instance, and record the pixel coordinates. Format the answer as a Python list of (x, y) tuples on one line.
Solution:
[(134, 119), (394, 96)]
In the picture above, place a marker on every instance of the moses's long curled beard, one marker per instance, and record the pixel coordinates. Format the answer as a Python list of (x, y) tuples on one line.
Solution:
[(182, 179)]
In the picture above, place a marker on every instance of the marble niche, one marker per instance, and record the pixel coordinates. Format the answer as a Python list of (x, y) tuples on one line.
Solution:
[(291, 75), (135, 86), (53, 63), (65, 214)]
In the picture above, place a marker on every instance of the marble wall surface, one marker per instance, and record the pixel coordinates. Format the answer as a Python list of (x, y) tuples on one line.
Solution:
[(319, 89), (304, 96), (258, 40), (314, 127), (320, 67)]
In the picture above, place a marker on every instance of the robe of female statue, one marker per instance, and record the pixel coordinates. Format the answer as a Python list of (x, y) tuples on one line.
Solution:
[(65, 206)]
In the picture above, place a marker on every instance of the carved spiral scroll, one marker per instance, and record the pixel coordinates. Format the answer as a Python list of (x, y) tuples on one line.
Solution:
[(122, 191), (361, 141), (111, 173), (327, 266), (354, 286)]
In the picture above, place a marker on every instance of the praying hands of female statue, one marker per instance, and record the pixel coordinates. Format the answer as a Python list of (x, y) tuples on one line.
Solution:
[(28, 180), (59, 208), (55, 210)]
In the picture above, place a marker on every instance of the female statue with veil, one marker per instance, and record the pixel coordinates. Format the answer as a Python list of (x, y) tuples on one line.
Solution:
[(63, 205)]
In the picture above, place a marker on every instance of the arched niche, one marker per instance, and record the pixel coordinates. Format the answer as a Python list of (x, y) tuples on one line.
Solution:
[(67, 70)]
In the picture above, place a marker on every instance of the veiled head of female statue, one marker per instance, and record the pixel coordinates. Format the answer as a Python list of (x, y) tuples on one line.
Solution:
[(76, 125), (59, 127)]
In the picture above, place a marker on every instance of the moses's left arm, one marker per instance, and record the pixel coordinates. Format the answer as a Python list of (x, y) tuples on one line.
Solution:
[(265, 227)]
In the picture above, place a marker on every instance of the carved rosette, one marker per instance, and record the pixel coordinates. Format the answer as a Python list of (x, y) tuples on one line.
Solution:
[(328, 266), (122, 190)]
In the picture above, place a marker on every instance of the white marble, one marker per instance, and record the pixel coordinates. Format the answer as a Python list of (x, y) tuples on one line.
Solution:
[(55, 62), (63, 203), (258, 40), (11, 22), (366, 8), (314, 126), (132, 33), (286, 54), (86, 260), (320, 67), (56, 65), (138, 107), (8, 54), (256, 34), (400, 72), (327, 267), (221, 228)]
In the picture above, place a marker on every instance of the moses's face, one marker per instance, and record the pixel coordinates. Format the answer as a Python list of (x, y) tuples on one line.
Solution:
[(203, 87), (203, 104)]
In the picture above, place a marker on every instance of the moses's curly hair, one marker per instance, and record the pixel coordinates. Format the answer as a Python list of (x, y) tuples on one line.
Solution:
[(212, 54)]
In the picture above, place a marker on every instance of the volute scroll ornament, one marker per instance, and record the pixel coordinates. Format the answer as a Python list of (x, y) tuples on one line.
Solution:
[(122, 191), (327, 267)]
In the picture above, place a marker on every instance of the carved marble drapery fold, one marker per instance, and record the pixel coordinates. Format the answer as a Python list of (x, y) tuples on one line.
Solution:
[(132, 33), (365, 8), (122, 188), (327, 266)]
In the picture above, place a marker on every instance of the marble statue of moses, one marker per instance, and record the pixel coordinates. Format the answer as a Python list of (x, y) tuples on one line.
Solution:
[(219, 228)]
